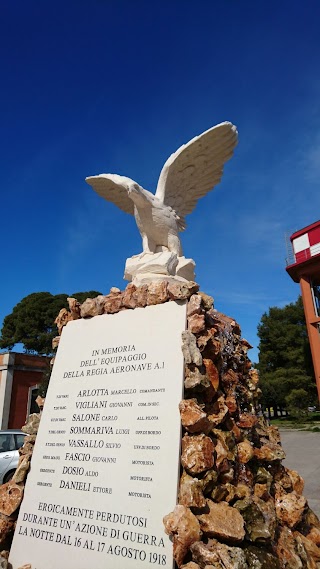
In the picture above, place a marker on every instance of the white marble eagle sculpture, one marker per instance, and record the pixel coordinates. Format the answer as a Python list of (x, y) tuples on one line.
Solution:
[(188, 174)]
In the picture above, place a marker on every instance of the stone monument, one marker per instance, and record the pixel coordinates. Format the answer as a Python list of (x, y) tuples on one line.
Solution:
[(104, 479)]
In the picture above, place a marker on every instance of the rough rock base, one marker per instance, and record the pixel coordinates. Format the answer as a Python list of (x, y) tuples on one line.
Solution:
[(239, 507)]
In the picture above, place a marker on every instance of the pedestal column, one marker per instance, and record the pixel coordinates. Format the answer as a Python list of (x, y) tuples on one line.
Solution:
[(312, 322)]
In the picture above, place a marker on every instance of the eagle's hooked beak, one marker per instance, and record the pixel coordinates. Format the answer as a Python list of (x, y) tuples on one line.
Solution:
[(133, 189)]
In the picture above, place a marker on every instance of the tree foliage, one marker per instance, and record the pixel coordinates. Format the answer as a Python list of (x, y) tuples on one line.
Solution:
[(31, 321), (285, 361), (297, 403)]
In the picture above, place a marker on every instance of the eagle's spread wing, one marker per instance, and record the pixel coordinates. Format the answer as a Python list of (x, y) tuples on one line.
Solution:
[(113, 188), (196, 167)]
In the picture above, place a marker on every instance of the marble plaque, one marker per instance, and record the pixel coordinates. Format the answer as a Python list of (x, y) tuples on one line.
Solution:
[(106, 461)]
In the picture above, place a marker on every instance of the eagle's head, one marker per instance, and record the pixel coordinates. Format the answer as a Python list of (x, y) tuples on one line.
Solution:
[(138, 195)]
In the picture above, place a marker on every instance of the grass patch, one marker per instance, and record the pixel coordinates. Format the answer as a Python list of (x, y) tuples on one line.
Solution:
[(306, 424), (285, 423)]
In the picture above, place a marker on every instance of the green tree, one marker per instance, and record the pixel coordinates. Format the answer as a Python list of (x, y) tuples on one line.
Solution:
[(297, 403), (31, 321), (285, 361)]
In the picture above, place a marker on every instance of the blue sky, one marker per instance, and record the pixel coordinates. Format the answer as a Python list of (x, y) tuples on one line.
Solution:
[(91, 86)]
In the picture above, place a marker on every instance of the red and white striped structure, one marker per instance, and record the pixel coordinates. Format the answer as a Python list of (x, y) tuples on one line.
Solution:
[(306, 242)]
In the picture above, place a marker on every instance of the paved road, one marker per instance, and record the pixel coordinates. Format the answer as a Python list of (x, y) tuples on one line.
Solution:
[(303, 454)]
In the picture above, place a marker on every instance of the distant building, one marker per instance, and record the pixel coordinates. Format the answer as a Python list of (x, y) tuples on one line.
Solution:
[(20, 377), (304, 268)]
